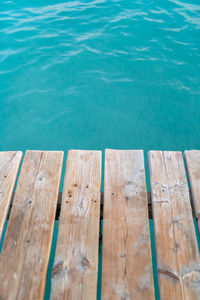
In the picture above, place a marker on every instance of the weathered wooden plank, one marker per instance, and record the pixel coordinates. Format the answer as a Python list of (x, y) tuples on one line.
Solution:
[(9, 166), (192, 159), (74, 274), (177, 251), (127, 266), (26, 248)]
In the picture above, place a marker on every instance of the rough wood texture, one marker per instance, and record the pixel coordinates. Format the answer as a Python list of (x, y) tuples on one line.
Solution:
[(192, 159), (9, 166), (74, 274), (127, 265), (26, 248), (177, 251)]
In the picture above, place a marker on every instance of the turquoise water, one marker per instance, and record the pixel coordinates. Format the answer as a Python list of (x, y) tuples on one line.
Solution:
[(97, 74)]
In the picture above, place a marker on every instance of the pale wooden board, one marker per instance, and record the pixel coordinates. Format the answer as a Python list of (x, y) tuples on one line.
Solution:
[(74, 275), (177, 251), (127, 265), (26, 248), (9, 166), (192, 159)]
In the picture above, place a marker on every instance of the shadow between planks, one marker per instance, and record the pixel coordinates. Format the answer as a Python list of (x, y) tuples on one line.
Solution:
[(102, 204)]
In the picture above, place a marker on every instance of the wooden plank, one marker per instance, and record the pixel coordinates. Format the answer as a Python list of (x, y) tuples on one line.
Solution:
[(127, 265), (192, 159), (177, 251), (9, 166), (74, 274), (26, 248)]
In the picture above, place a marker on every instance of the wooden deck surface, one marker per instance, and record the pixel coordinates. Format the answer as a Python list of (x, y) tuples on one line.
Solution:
[(76, 259), (127, 268), (127, 263), (176, 244)]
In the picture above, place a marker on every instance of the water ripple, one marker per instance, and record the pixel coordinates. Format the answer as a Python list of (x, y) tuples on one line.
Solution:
[(98, 59)]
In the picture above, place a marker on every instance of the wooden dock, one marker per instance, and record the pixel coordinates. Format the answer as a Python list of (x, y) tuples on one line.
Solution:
[(127, 262)]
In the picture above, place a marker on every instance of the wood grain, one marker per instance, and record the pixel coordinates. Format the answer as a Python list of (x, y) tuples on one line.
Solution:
[(192, 159), (127, 266), (74, 274), (26, 248), (177, 251), (9, 166)]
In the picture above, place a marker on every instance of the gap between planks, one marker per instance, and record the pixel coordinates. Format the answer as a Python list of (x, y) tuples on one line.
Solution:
[(59, 203)]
